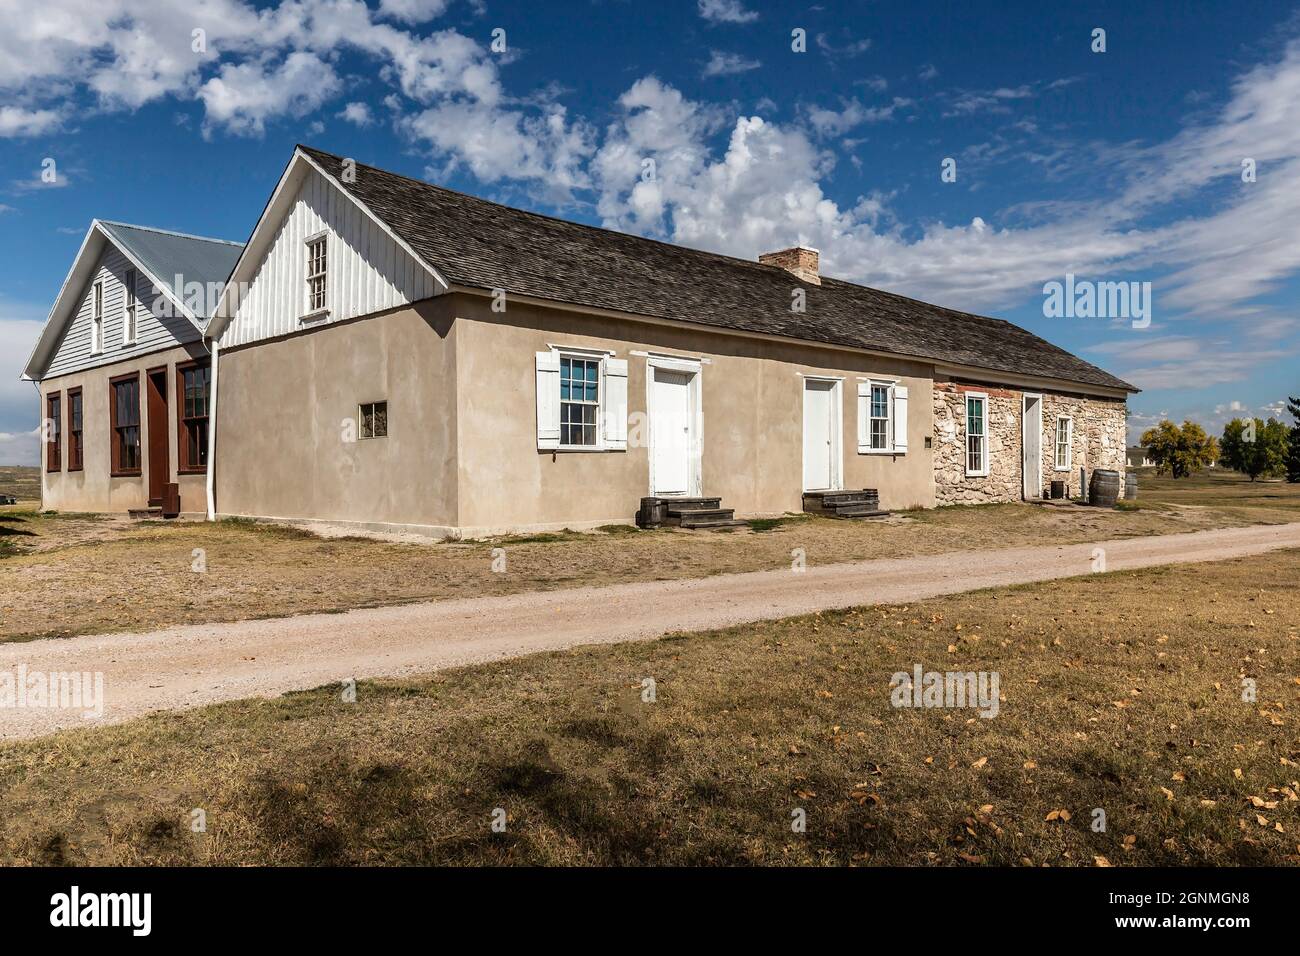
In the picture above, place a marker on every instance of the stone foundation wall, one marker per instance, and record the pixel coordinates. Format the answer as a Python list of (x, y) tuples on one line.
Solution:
[(1098, 442)]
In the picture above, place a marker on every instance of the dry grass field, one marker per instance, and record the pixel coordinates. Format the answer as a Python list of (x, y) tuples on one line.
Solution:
[(78, 574), (1119, 692)]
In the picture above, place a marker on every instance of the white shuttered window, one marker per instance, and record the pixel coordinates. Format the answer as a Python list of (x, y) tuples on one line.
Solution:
[(581, 401)]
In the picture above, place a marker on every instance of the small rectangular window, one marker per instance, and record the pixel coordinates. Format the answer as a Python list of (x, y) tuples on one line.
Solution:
[(192, 384), (74, 429), (316, 268), (977, 453), (124, 410), (880, 415), (97, 318), (1064, 443), (53, 432), (374, 420), (130, 308), (579, 401)]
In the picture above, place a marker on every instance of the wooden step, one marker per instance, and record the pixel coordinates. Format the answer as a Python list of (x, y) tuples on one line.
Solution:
[(144, 513), (705, 524), (700, 513), (831, 498), (833, 503), (860, 511)]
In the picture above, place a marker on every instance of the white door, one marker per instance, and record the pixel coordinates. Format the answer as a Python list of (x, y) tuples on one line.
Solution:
[(672, 432), (1031, 443), (819, 434)]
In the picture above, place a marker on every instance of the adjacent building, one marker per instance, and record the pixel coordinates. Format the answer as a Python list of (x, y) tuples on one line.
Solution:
[(123, 370)]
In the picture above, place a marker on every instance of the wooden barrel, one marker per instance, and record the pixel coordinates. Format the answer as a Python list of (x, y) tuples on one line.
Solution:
[(1103, 490), (1130, 485)]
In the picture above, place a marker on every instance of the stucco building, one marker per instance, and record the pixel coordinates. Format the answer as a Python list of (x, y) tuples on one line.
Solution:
[(395, 355)]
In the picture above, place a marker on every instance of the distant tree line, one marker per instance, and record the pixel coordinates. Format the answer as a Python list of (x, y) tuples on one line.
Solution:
[(1252, 446)]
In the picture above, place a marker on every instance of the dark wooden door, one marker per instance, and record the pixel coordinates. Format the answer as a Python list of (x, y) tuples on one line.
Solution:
[(159, 438)]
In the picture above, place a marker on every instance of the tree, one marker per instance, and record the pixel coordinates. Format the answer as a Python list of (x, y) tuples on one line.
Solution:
[(1293, 442), (1255, 447), (1179, 451)]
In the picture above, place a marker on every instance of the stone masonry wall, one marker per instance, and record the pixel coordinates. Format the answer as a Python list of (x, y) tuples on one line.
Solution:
[(1098, 442)]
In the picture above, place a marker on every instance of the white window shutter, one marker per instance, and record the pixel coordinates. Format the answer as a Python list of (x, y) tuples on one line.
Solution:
[(548, 400), (900, 419), (864, 417), (615, 404)]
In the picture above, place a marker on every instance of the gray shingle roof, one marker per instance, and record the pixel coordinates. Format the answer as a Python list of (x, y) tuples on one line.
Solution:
[(481, 244), (167, 255)]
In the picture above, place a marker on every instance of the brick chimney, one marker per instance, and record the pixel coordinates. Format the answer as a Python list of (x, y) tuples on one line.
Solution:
[(800, 260)]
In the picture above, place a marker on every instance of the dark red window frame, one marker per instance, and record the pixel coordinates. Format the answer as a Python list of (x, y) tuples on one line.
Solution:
[(193, 400), (76, 425), (124, 433), (54, 440)]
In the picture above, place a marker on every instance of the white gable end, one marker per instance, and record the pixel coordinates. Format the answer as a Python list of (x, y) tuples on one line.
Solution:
[(366, 270), (155, 328)]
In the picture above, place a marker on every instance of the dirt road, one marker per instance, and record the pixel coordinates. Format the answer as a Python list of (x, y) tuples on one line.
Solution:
[(200, 664)]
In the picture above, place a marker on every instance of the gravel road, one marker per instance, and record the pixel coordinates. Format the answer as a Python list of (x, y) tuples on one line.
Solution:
[(193, 665)]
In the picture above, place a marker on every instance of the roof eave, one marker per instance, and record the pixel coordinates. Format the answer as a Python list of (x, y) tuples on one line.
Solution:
[(939, 365)]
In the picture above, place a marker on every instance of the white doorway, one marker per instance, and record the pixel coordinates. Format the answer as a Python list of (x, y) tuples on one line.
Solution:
[(673, 402), (821, 434), (1031, 444)]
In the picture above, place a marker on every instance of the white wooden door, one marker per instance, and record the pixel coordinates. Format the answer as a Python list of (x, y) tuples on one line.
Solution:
[(672, 432), (818, 435), (1031, 444)]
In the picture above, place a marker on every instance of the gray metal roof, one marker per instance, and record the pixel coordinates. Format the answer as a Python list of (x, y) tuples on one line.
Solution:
[(174, 257)]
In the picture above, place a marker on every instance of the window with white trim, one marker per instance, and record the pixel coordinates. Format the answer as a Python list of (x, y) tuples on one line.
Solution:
[(97, 318), (977, 439), (317, 264), (130, 309), (882, 417), (879, 409), (1064, 442), (579, 401)]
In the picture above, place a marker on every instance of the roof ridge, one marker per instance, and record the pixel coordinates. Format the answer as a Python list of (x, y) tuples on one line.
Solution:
[(168, 232)]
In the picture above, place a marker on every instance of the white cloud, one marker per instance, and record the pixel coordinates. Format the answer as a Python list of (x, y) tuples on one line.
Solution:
[(242, 97), (358, 113), (496, 144), (725, 64), (851, 48), (412, 11), (829, 122), (19, 405), (726, 11), (16, 121)]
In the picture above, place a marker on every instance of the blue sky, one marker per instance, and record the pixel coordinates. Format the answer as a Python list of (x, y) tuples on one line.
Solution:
[(1117, 166)]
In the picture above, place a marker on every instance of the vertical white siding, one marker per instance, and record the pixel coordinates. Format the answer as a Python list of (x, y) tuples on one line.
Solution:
[(367, 270), (154, 331)]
